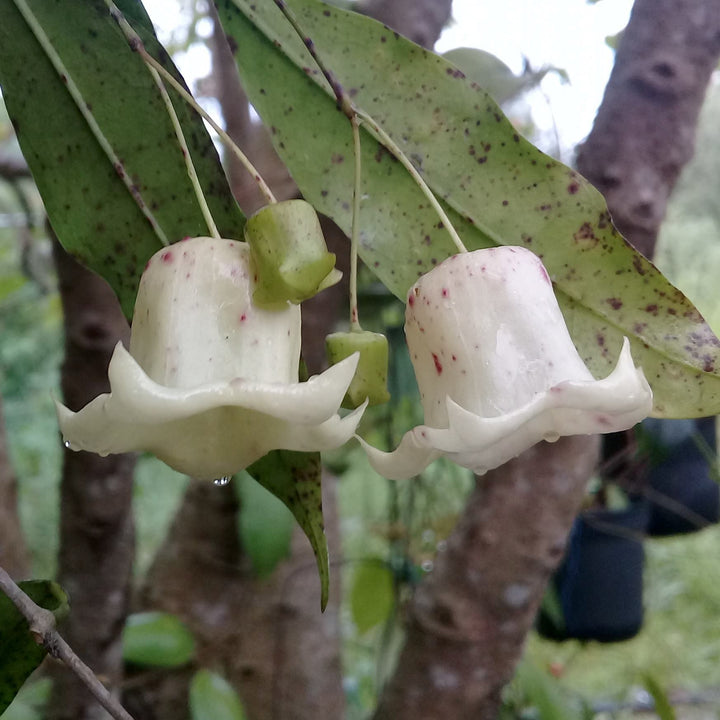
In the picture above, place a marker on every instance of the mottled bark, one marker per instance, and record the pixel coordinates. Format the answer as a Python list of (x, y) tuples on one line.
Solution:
[(644, 132), (96, 524), (469, 618), (13, 551)]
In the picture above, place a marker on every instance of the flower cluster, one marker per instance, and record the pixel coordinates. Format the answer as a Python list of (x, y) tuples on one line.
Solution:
[(210, 382)]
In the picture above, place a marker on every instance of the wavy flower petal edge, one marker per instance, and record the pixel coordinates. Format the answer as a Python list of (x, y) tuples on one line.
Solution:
[(194, 318), (492, 387)]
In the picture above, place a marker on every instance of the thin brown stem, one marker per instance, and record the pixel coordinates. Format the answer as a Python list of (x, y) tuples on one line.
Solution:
[(41, 623), (343, 101), (354, 239)]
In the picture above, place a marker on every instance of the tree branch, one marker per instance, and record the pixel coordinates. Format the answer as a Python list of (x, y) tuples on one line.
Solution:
[(644, 132), (41, 623)]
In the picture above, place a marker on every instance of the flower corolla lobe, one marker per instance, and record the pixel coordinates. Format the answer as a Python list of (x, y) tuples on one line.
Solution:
[(497, 369), (210, 383)]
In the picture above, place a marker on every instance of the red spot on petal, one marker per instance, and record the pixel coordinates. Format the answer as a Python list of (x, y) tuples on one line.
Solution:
[(438, 364), (167, 256), (243, 317), (445, 292)]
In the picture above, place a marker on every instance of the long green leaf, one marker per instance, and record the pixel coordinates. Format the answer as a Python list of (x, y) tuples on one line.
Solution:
[(100, 157), (97, 217), (20, 652), (498, 188)]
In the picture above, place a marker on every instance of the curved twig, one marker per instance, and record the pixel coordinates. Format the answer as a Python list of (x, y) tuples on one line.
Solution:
[(41, 624)]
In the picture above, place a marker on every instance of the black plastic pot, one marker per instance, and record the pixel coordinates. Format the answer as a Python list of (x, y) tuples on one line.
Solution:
[(683, 494), (598, 589)]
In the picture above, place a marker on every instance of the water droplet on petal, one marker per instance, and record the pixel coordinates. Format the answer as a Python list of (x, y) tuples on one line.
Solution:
[(221, 481), (551, 437), (427, 565), (70, 446)]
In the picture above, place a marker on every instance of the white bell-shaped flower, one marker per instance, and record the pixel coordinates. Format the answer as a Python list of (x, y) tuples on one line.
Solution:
[(497, 369), (210, 384)]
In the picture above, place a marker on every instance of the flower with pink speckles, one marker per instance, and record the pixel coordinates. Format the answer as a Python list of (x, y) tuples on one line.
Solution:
[(210, 383), (497, 370)]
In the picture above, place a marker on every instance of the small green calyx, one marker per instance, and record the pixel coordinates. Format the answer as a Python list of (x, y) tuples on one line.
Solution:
[(290, 255), (370, 380)]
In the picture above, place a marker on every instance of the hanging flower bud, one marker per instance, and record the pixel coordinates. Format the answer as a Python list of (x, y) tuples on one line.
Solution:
[(210, 384), (497, 370), (370, 380), (290, 254)]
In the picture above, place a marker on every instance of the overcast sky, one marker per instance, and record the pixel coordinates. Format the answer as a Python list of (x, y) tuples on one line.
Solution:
[(569, 34)]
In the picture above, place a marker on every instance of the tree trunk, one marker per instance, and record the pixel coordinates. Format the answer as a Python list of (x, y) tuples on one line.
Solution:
[(13, 552), (644, 132), (96, 523), (267, 637), (469, 618)]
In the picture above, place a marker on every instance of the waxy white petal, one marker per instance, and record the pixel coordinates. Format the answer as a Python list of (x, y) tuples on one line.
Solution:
[(211, 382), (497, 369)]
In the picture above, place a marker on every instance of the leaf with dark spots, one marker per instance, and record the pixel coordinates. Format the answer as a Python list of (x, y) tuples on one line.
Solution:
[(434, 115), (296, 479), (116, 89)]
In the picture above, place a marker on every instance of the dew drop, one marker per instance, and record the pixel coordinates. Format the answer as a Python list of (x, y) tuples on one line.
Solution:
[(70, 446), (427, 565), (221, 481), (551, 437)]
